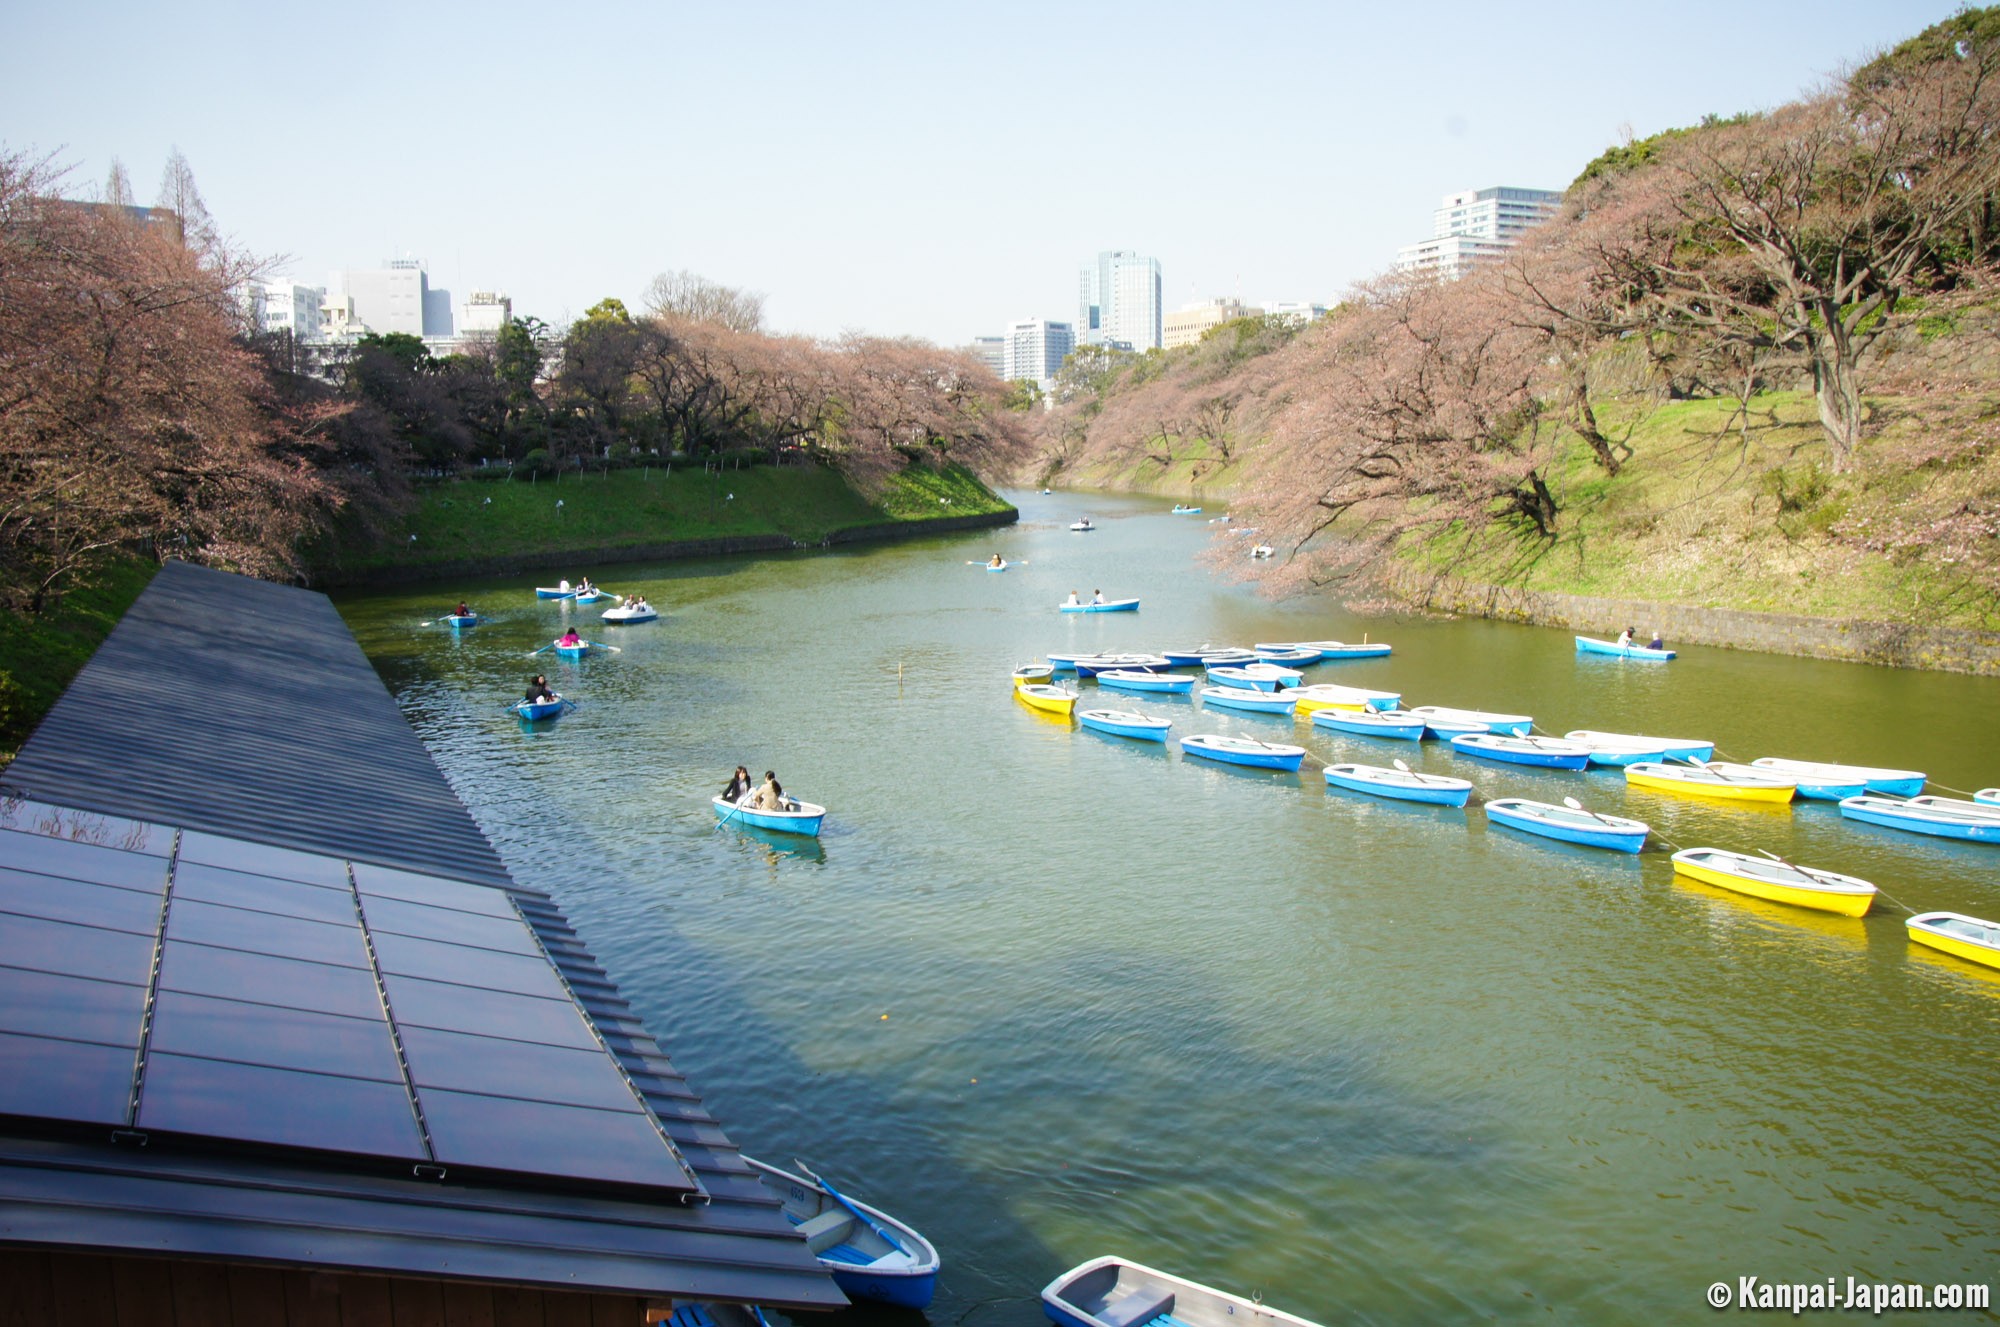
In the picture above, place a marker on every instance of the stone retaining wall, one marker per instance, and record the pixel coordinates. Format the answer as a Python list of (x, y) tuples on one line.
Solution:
[(1896, 644), (667, 551)]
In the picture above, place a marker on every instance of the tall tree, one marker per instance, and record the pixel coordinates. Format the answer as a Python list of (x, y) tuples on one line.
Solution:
[(179, 195), (1811, 228), (694, 298), (118, 187)]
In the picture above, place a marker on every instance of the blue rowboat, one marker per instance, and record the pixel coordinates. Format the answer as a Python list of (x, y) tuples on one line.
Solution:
[(1208, 654), (1108, 606), (1125, 723), (1946, 817), (1066, 663), (798, 818), (536, 710), (1284, 655), (457, 621), (715, 1313), (1114, 1292), (590, 596), (1243, 751), (1371, 723), (1818, 774), (576, 651), (1253, 702), (554, 592), (1625, 748), (1186, 511), (630, 614), (1256, 676), (1546, 752), (1001, 565), (1403, 785), (1444, 721), (1335, 651), (1090, 665), (1592, 645), (871, 1254), (1128, 679), (1568, 824)]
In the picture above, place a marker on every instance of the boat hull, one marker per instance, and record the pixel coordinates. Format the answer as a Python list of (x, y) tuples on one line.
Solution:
[(1256, 755), (1369, 723), (1654, 748), (806, 820), (1490, 746), (1564, 825), (1335, 651), (1716, 869), (1034, 675), (544, 592), (907, 1279), (1858, 779), (1121, 724), (1049, 700), (1434, 789), (1249, 702), (1115, 1292), (572, 651), (1940, 931), (535, 712), (460, 621), (1611, 648), (625, 617), (1443, 721), (1108, 606), (1892, 814), (1643, 776), (1122, 680)]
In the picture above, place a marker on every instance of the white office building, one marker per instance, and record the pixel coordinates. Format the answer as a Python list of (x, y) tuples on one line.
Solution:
[(1035, 349), (1189, 323), (1119, 302), (484, 313), (284, 306), (1296, 312), (396, 297), (1477, 226), (992, 352)]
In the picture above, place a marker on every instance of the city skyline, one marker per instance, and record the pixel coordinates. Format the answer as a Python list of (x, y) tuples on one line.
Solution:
[(840, 167)]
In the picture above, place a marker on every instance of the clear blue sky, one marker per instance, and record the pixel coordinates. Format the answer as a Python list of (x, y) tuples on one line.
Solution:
[(924, 169)]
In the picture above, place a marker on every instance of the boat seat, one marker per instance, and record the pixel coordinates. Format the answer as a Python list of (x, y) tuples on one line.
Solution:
[(1139, 1307), (825, 1230)]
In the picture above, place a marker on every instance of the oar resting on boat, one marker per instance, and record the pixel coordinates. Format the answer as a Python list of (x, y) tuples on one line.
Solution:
[(870, 1253)]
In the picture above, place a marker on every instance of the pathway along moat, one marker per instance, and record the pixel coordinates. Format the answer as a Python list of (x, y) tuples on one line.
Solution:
[(1049, 994)]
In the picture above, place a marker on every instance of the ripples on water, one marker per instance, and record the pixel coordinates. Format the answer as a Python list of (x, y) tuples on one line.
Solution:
[(1049, 994)]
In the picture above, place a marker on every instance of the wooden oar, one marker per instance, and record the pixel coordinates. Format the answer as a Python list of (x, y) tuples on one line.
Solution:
[(1804, 871), (600, 645), (1420, 778), (545, 649), (1575, 805), (842, 1199)]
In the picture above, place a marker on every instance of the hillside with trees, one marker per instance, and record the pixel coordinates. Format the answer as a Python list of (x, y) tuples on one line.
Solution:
[(1753, 363)]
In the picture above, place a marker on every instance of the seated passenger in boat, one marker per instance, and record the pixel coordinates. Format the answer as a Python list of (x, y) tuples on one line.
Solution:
[(1656, 643), (738, 787), (770, 797), (538, 690), (570, 638), (1072, 601)]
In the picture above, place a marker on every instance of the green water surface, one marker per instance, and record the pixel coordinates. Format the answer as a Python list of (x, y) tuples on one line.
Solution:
[(1048, 994)]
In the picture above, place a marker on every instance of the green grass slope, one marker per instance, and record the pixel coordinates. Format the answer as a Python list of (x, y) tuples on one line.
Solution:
[(39, 655)]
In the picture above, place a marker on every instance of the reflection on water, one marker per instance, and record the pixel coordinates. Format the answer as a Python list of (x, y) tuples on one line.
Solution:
[(1050, 994)]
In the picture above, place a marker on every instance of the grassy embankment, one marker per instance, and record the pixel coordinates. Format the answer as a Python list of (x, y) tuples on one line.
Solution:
[(1708, 512), (39, 655), (467, 520)]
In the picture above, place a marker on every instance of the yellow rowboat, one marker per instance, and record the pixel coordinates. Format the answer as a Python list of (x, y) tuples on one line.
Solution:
[(1327, 696), (1030, 674), (1736, 783), (1781, 882), (1960, 936), (1050, 700)]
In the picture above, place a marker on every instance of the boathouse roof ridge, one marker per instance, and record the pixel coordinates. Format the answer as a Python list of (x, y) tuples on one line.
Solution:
[(246, 1023)]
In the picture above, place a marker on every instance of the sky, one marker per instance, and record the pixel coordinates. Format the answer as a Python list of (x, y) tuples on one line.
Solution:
[(923, 169)]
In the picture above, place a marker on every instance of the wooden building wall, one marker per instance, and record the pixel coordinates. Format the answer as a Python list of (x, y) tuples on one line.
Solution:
[(45, 1289)]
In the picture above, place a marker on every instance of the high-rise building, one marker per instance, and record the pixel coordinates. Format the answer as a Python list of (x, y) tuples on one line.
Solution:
[(1118, 301), (1189, 323), (1477, 226), (990, 351), (1035, 349), (284, 306)]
